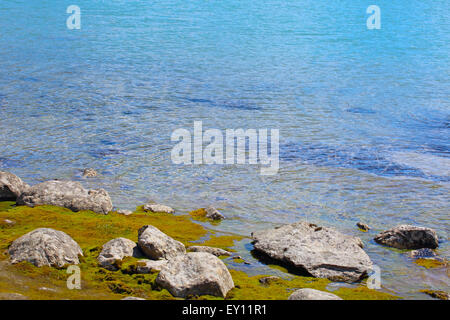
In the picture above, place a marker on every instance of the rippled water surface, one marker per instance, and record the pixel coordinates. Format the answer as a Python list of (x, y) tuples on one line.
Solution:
[(364, 115)]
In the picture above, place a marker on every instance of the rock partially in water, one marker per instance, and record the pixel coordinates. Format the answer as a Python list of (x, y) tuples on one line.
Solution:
[(154, 207), (422, 253), (408, 237), (157, 245), (320, 251), (45, 247), (442, 295), (68, 194), (213, 213), (11, 186), (115, 250), (363, 226), (89, 173), (196, 273), (215, 251), (312, 294)]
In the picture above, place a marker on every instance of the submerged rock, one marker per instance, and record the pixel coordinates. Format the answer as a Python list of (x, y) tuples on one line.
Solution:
[(11, 186), (154, 207), (408, 237), (115, 250), (213, 213), (322, 252), (45, 247), (196, 273), (312, 294), (157, 245), (215, 251), (68, 194), (89, 173), (363, 226)]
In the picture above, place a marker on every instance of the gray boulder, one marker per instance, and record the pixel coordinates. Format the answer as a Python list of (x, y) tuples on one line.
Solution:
[(408, 237), (322, 252), (312, 294), (196, 273), (45, 247), (68, 194), (215, 251), (124, 212), (154, 207), (115, 250), (149, 266), (11, 186), (157, 245), (214, 214)]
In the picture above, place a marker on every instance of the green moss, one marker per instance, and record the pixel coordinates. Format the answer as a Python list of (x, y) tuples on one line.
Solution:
[(430, 263)]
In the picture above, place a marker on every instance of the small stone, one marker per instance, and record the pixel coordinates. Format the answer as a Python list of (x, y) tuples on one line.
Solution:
[(268, 280), (154, 207), (125, 212), (213, 213), (9, 222), (47, 289), (12, 296), (132, 298), (312, 294), (89, 173), (408, 237), (363, 226), (215, 251)]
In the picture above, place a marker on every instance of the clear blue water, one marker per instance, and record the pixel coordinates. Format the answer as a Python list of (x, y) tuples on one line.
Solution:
[(364, 115)]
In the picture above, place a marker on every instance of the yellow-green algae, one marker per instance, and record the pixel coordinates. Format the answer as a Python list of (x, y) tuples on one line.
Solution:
[(92, 230), (430, 263)]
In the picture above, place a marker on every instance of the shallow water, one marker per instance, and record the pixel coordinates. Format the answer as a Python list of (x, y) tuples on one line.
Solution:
[(364, 115)]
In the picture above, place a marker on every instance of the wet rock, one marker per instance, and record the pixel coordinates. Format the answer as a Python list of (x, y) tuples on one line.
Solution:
[(268, 280), (154, 207), (132, 298), (312, 294), (115, 250), (322, 252), (196, 273), (11, 186), (363, 226), (68, 194), (215, 251), (422, 253), (149, 266), (157, 245), (408, 237), (45, 247), (125, 212), (213, 213), (442, 295), (89, 173)]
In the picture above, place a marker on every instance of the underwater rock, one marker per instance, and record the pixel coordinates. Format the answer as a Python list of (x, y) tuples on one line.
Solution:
[(312, 294), (196, 273), (363, 226), (213, 213), (154, 207), (89, 173), (408, 237), (11, 186), (115, 250), (215, 251), (322, 252), (45, 247), (68, 194), (157, 245)]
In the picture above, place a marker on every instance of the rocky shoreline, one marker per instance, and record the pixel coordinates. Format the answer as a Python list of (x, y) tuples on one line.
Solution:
[(180, 268)]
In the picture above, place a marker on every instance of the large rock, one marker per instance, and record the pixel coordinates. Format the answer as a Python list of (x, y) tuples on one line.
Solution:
[(322, 252), (45, 247), (312, 294), (11, 186), (115, 250), (215, 251), (68, 194), (196, 273), (157, 245), (408, 237)]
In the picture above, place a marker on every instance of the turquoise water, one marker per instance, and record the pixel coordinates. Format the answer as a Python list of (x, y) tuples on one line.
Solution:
[(364, 115)]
